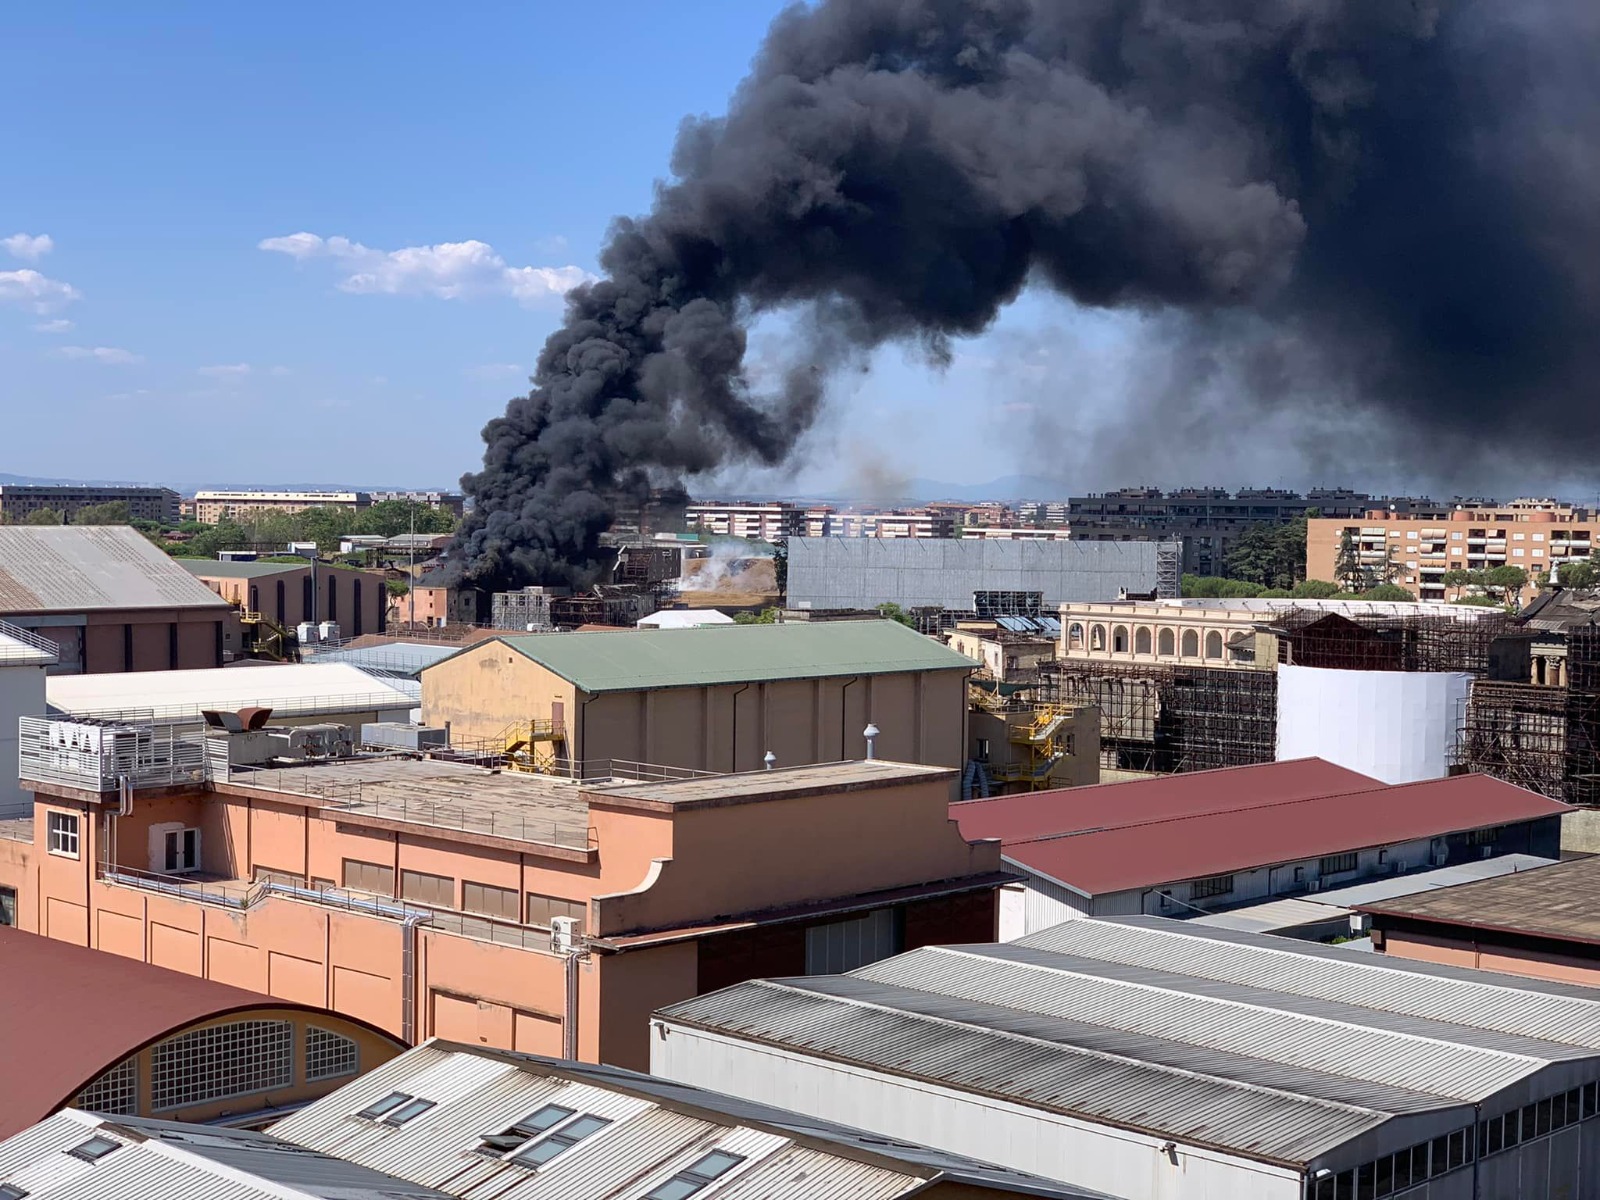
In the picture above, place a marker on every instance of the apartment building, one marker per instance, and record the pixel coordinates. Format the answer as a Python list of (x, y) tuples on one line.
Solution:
[(1208, 520), (212, 507), (452, 502), (355, 600), (20, 501), (766, 521), (887, 523), (1013, 533), (1415, 550), (497, 907)]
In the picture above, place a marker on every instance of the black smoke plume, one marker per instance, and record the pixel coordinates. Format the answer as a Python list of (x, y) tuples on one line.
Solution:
[(1403, 191)]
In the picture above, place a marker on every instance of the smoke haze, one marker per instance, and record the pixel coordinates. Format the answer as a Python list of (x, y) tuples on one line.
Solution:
[(1384, 211)]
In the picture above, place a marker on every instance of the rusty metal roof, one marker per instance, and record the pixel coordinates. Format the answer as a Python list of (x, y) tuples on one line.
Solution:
[(82, 568)]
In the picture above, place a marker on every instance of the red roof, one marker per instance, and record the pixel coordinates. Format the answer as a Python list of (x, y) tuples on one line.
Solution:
[(1068, 810), (1099, 849), (68, 1012)]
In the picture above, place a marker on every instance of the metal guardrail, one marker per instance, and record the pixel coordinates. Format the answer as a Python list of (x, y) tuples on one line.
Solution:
[(240, 898), (33, 641), (94, 755)]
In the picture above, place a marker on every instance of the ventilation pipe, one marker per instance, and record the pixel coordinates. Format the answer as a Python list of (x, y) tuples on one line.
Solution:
[(871, 734), (769, 759)]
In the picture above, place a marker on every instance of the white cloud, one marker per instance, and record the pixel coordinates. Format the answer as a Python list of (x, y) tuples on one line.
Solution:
[(28, 246), (280, 371), (225, 371), (59, 325), (35, 291), (133, 395), (449, 271), (110, 355), (493, 370)]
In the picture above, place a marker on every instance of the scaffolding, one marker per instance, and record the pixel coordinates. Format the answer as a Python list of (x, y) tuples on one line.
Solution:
[(1391, 641)]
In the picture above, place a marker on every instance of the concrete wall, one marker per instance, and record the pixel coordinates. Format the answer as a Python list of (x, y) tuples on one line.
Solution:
[(21, 695), (727, 727), (336, 598), (865, 572)]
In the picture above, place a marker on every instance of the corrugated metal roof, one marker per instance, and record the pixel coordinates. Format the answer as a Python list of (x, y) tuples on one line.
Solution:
[(1262, 1046), (390, 658), (1122, 854), (83, 568), (662, 658), (289, 689), (163, 1159), (657, 1128), (1270, 916), (1558, 901)]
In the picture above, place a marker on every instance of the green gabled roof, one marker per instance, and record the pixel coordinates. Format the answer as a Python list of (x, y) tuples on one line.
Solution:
[(662, 658)]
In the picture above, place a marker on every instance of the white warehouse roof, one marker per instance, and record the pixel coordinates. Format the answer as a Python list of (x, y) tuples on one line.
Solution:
[(685, 618), (289, 689), (1261, 1047)]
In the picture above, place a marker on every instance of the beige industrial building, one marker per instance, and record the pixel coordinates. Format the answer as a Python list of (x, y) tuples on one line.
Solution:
[(712, 698), (20, 501), (212, 507), (1415, 550), (357, 601), (1010, 649)]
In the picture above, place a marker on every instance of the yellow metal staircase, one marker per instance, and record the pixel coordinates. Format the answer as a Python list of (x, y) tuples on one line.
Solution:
[(533, 745), (1043, 743)]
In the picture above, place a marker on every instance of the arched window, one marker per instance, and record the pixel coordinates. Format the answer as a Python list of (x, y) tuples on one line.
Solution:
[(1191, 644), (1097, 637), (1119, 640), (1141, 640), (1213, 644), (1075, 636), (330, 1055), (249, 1056), (1166, 644)]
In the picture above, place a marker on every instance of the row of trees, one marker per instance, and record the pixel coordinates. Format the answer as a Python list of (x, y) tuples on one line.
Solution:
[(114, 512), (324, 525), (1212, 587)]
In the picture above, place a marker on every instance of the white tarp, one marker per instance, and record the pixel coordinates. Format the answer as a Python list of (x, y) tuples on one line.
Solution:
[(1397, 726)]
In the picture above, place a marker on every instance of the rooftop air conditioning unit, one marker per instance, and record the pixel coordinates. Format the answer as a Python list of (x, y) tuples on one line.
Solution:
[(306, 631), (1314, 885), (563, 934), (328, 631)]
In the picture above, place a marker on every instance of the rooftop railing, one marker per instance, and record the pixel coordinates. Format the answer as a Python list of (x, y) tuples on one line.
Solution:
[(95, 756), (28, 647)]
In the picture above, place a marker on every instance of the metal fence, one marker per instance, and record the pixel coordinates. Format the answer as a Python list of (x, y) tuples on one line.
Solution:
[(95, 755), (31, 645)]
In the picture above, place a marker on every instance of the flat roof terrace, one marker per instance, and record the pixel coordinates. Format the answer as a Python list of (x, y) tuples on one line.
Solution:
[(518, 805)]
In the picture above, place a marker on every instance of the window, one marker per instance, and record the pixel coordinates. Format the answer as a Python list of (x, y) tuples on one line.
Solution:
[(330, 1055), (113, 1091), (231, 1059), (1217, 885), (1456, 536), (1165, 643), (368, 877), (983, 750), (94, 1149), (1213, 644), (428, 889), (10, 1191), (1338, 864), (63, 834), (1483, 837), (182, 851), (490, 900), (542, 908), (530, 1126), (559, 1140), (1097, 637), (692, 1179), (1119, 639), (1141, 640), (8, 906), (396, 1108), (1074, 636), (388, 1104), (845, 945), (1191, 644)]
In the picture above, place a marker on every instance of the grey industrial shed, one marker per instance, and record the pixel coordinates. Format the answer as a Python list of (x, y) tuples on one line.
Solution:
[(1151, 1058), (835, 572)]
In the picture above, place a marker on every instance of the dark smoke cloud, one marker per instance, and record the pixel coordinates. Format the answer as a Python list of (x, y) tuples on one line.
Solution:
[(1390, 203)]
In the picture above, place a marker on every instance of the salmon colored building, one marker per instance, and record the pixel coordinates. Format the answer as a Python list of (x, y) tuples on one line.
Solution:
[(1541, 923), (500, 908)]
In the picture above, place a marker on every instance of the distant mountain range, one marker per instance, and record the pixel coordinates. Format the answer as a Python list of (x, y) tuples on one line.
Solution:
[(44, 481)]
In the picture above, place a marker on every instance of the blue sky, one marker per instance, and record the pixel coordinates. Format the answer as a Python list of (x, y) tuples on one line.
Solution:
[(234, 249), (152, 338)]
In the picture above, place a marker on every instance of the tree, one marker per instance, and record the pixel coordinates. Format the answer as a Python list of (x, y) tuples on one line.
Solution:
[(1314, 589), (1387, 591), (1237, 589), (1578, 573), (894, 612), (767, 616), (397, 587), (1499, 585), (1347, 569), (1269, 555), (42, 516), (780, 566), (113, 512), (1477, 601)]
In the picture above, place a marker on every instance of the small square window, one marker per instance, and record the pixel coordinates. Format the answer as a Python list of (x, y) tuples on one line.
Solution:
[(94, 1149), (10, 1191), (63, 836)]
